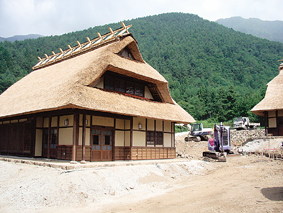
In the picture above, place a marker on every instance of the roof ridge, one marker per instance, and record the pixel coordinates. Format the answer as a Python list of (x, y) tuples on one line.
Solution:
[(90, 44)]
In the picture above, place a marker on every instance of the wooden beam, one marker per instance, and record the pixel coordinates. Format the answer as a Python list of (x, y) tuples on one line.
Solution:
[(111, 31), (277, 122), (32, 151), (113, 141), (173, 131), (100, 37), (266, 122), (49, 137), (131, 137), (124, 26), (75, 136), (79, 44), (83, 137)]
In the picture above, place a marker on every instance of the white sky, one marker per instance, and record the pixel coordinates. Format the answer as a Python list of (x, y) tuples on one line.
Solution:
[(56, 17)]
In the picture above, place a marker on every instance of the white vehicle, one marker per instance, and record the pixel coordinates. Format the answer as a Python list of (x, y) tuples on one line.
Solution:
[(244, 123)]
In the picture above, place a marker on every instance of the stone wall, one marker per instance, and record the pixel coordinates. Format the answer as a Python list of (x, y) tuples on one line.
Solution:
[(242, 136)]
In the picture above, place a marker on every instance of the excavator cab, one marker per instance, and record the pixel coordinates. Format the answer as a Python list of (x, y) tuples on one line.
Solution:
[(220, 145)]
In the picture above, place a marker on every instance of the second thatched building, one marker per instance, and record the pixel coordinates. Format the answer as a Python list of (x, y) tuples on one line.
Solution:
[(271, 107)]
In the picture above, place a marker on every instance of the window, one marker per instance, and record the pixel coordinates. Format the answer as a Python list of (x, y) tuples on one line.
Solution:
[(130, 88), (126, 53), (139, 89), (154, 138), (159, 138), (109, 83), (45, 138), (150, 137), (123, 84), (53, 138), (107, 140), (95, 140), (119, 85)]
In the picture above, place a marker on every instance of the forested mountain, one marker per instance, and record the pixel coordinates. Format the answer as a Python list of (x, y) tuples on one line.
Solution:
[(213, 71), (20, 37), (271, 30)]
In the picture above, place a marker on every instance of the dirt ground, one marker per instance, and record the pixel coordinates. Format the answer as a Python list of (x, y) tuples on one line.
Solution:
[(242, 184)]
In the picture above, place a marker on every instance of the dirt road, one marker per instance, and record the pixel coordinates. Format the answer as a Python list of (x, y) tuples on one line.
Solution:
[(242, 184)]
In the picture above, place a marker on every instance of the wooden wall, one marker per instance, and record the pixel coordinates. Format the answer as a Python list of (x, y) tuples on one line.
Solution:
[(87, 153), (64, 152), (144, 153), (17, 138)]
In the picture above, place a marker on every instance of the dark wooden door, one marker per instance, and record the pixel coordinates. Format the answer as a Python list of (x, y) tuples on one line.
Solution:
[(51, 144), (280, 126), (101, 144)]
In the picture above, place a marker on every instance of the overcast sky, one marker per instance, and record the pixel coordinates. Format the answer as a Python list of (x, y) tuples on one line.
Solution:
[(56, 17)]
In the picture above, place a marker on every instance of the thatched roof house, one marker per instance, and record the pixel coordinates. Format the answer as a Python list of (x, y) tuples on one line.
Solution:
[(272, 105), (104, 82)]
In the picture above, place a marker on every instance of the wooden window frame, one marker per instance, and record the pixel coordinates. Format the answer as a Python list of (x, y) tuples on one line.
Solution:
[(112, 82), (158, 138)]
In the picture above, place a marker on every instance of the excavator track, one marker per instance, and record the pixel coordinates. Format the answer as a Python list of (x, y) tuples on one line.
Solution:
[(220, 157), (210, 155)]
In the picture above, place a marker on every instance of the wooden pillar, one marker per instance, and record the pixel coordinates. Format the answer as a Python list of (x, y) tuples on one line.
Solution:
[(49, 137), (277, 123), (33, 130), (113, 141), (75, 136), (173, 133), (163, 133), (155, 135), (83, 139), (146, 149), (266, 122), (131, 137)]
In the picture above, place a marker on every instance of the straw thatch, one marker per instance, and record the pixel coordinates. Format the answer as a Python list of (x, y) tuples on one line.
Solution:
[(273, 99), (67, 84)]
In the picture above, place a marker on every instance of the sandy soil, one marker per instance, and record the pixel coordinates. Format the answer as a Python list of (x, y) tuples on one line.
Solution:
[(242, 184)]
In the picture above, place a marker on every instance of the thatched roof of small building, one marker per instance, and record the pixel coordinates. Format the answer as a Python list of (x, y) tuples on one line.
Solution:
[(273, 99), (67, 84)]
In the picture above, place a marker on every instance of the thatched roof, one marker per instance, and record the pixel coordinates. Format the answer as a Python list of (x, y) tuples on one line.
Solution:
[(66, 84), (273, 99)]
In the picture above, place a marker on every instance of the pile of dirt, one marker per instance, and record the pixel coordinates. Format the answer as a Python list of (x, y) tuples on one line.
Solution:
[(262, 145), (32, 188)]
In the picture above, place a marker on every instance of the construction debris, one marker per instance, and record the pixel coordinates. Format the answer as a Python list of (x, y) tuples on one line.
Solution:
[(244, 142)]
